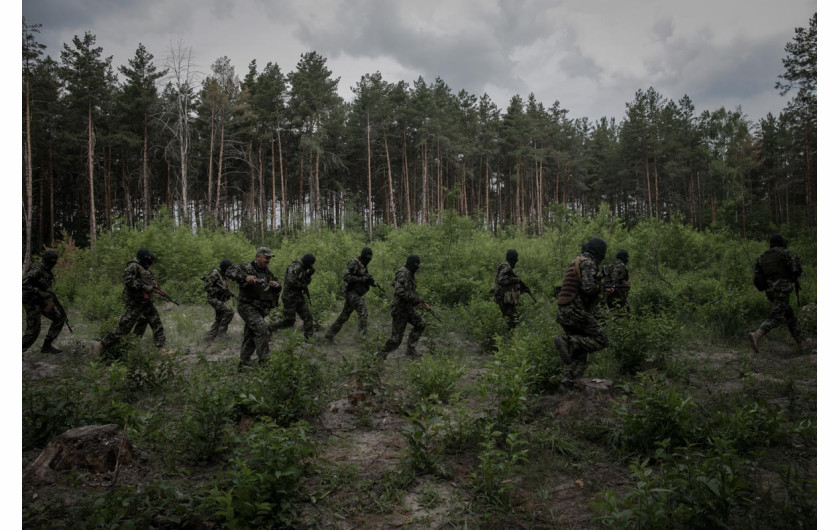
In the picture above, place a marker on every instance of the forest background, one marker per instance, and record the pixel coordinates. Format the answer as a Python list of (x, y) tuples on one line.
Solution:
[(197, 170)]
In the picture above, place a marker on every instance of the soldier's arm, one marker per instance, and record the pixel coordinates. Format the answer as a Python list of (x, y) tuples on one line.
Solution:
[(402, 292), (505, 277), (352, 274), (131, 278), (589, 283), (32, 282), (237, 274)]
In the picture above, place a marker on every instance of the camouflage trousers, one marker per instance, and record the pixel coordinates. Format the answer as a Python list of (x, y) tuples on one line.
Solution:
[(224, 315), (399, 320), (352, 302), (584, 334), (509, 313), (33, 325), (780, 313), (255, 334), (292, 306), (138, 315)]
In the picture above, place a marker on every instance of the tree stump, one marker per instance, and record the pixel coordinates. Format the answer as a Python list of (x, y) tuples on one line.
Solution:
[(98, 448)]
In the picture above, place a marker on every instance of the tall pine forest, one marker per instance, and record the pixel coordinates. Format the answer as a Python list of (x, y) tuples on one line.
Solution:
[(107, 147)]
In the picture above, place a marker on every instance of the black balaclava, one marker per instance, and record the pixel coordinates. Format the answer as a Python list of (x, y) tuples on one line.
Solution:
[(512, 257), (597, 247), (49, 258), (366, 256), (308, 260), (623, 256), (224, 265), (145, 257), (777, 240), (412, 263)]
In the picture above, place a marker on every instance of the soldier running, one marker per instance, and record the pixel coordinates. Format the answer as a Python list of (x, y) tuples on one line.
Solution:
[(357, 281), (295, 294), (403, 310), (507, 287), (37, 301), (576, 308), (258, 292), (218, 293)]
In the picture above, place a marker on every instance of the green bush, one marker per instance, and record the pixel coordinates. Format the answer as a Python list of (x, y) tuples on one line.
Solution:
[(434, 378), (690, 489), (483, 321), (289, 387), (653, 412), (491, 479), (262, 488), (634, 340)]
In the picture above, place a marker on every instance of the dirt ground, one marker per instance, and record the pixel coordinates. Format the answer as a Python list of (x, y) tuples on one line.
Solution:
[(361, 441)]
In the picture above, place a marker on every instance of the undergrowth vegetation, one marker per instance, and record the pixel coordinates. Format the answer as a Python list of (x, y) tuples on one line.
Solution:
[(695, 431)]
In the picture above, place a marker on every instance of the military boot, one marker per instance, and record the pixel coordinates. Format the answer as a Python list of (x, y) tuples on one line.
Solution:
[(754, 337), (49, 348)]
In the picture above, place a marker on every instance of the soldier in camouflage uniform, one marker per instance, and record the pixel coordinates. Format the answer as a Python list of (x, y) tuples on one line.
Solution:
[(258, 293), (403, 310), (138, 285), (295, 292), (218, 293), (781, 269), (37, 289), (617, 277), (357, 281), (576, 308), (507, 287)]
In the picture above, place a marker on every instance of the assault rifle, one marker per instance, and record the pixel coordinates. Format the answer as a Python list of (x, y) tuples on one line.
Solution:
[(63, 314), (428, 308), (527, 290), (796, 289), (157, 291), (374, 284)]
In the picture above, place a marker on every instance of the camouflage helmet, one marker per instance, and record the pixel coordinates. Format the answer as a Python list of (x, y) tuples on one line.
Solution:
[(265, 251)]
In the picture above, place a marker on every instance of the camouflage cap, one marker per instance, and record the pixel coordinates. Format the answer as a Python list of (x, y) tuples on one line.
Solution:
[(265, 251)]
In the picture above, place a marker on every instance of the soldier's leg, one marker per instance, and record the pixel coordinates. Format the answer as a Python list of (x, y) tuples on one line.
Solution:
[(55, 327), (127, 321), (140, 326), (417, 327), (217, 321), (346, 311), (249, 315), (308, 320), (398, 323), (792, 324), (289, 314), (779, 303), (361, 313), (261, 334), (152, 317), (226, 318), (509, 312), (33, 325)]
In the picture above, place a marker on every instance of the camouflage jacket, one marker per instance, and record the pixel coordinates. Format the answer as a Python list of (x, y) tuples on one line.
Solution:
[(356, 278), (618, 276), (136, 278), (505, 282), (405, 291), (581, 290), (781, 268), (297, 279), (216, 285), (259, 294), (37, 284)]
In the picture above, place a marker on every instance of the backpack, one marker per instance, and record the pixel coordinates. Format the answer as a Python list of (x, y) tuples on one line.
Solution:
[(759, 279)]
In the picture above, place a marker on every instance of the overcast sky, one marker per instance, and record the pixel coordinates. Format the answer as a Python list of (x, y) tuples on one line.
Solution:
[(590, 55)]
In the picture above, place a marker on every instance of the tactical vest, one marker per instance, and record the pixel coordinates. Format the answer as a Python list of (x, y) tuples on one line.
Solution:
[(571, 282), (774, 265)]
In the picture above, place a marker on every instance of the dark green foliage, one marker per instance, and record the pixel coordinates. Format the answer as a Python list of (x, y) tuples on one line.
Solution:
[(289, 387), (96, 395), (653, 412), (635, 340), (434, 378), (262, 487)]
